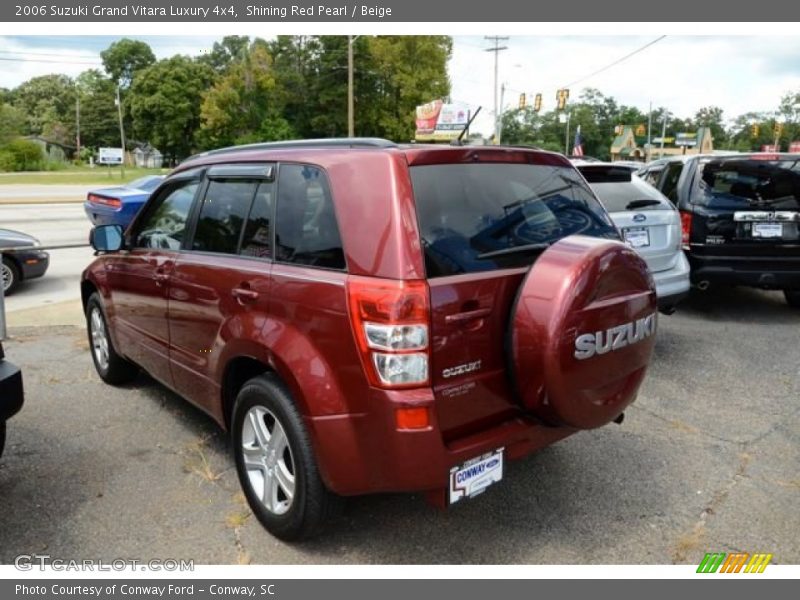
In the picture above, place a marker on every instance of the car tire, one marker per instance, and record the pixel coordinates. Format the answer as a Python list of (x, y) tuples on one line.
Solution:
[(10, 276), (2, 437), (792, 298), (276, 464), (111, 367)]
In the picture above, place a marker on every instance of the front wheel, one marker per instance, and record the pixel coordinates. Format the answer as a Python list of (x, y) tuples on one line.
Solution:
[(111, 367), (9, 276), (792, 298), (275, 461)]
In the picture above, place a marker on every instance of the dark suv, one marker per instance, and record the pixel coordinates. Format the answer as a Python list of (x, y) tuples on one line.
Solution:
[(367, 317), (740, 218)]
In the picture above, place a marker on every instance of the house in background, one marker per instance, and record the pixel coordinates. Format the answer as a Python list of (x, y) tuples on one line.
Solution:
[(145, 155), (628, 146)]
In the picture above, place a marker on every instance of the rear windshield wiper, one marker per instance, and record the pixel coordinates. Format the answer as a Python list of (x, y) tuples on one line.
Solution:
[(514, 250), (642, 203)]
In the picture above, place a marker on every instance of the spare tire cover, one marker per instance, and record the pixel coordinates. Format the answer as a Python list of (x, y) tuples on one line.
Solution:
[(583, 331)]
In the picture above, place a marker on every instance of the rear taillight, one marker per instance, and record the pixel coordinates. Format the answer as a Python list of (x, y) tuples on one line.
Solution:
[(391, 324), (686, 229), (112, 202)]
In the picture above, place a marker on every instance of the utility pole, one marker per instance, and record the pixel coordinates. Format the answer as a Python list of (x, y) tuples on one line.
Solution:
[(350, 103), (663, 133), (648, 151), (78, 125), (497, 49), (121, 129), (500, 121)]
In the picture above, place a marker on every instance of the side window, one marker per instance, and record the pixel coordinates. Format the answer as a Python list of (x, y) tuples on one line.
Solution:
[(669, 185), (164, 224), (257, 238), (305, 222), (222, 215)]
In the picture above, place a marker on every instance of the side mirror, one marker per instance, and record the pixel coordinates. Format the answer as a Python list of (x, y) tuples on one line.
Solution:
[(106, 238)]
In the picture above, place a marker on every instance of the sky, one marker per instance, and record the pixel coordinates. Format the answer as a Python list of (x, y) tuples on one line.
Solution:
[(683, 73)]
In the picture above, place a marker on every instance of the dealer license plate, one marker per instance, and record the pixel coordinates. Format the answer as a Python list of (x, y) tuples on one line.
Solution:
[(636, 237), (474, 476), (767, 230)]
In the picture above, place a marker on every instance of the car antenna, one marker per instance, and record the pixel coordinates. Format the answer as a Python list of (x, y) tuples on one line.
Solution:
[(457, 141)]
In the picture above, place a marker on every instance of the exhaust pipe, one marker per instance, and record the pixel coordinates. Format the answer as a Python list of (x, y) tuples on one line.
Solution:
[(620, 418), (703, 285)]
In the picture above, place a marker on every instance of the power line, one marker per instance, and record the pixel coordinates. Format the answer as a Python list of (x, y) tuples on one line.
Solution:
[(43, 60), (616, 62)]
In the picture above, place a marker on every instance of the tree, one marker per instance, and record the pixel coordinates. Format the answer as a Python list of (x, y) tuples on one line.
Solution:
[(165, 101), (712, 117), (223, 54), (12, 123), (99, 120), (124, 58), (48, 103), (246, 104)]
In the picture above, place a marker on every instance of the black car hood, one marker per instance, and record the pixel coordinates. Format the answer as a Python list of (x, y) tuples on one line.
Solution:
[(9, 238)]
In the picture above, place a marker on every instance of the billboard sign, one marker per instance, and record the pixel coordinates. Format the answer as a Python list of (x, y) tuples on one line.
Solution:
[(109, 156), (794, 147), (686, 139), (440, 122), (770, 148)]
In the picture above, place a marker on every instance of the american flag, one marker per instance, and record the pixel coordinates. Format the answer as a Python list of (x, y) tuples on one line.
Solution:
[(577, 145)]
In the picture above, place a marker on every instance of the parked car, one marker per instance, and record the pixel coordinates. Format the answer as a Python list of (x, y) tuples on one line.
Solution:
[(19, 265), (740, 217), (11, 393), (649, 223), (118, 205), (368, 317)]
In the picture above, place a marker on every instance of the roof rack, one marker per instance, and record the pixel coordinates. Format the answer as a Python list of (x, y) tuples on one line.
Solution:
[(346, 142)]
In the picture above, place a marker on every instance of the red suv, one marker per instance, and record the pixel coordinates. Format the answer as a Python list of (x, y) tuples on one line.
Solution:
[(369, 317)]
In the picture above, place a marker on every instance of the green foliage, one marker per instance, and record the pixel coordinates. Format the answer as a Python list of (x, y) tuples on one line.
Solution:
[(246, 104), (12, 123), (48, 103), (223, 54), (124, 58), (99, 117), (21, 155), (165, 100)]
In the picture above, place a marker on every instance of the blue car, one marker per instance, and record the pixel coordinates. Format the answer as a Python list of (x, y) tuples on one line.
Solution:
[(118, 205)]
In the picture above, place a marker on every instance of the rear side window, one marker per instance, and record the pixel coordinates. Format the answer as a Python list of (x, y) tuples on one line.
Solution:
[(222, 215), (305, 222), (669, 185), (466, 211), (257, 237), (749, 183)]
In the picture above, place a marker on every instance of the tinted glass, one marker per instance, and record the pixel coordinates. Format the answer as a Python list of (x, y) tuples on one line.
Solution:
[(306, 229), (146, 184), (222, 214), (467, 210), (749, 184), (669, 185), (257, 239), (164, 224), (616, 197)]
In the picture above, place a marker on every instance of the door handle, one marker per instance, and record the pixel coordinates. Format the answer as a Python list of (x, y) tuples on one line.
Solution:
[(243, 294), (469, 315)]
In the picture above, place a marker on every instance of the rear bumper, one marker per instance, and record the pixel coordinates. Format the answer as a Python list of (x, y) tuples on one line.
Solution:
[(778, 272), (360, 454), (672, 286)]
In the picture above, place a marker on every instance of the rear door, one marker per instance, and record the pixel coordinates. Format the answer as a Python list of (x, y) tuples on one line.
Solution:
[(482, 225), (747, 206)]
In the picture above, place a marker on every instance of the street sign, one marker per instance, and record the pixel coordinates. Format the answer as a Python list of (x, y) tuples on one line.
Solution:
[(686, 139), (109, 156)]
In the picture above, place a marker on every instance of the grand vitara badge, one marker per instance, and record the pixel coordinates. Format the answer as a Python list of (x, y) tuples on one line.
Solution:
[(601, 342)]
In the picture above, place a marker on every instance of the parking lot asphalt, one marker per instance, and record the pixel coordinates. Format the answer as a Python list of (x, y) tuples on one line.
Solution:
[(705, 461)]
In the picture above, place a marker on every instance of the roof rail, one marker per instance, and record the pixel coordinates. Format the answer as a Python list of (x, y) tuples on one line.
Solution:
[(346, 142)]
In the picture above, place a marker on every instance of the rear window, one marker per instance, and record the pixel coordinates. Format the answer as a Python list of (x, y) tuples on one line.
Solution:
[(469, 210), (631, 195), (605, 173), (748, 183)]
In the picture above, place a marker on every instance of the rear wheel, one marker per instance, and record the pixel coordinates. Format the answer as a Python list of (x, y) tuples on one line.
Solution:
[(275, 462), (111, 367), (10, 275), (792, 298)]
